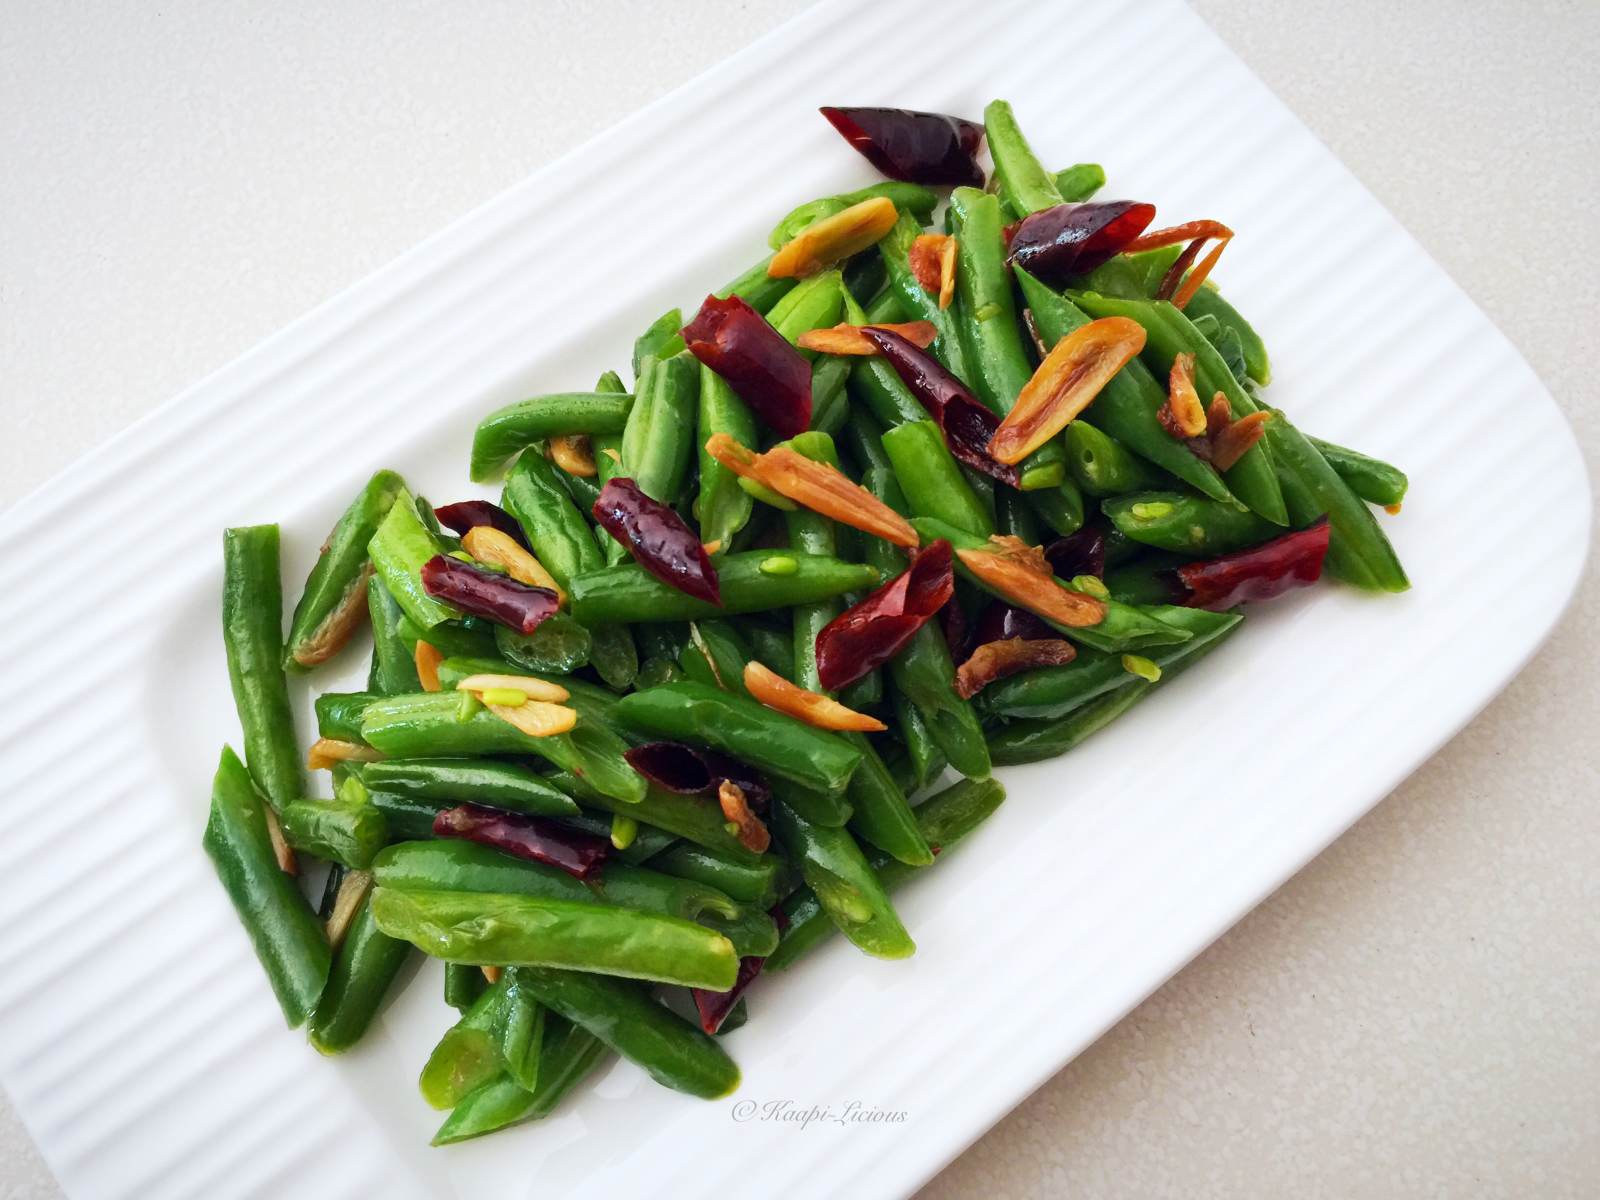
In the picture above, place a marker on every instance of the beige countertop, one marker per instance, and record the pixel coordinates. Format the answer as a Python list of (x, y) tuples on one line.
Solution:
[(1415, 1013)]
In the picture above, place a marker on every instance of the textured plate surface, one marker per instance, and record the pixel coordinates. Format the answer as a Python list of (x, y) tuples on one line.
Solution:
[(136, 1034)]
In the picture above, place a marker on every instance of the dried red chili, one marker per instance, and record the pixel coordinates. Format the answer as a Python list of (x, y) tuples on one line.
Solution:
[(1070, 239), (768, 374), (870, 633), (967, 425), (1000, 622), (1080, 553), (917, 147), (468, 514), (1260, 573), (486, 594), (688, 771), (714, 1007), (658, 539), (533, 838)]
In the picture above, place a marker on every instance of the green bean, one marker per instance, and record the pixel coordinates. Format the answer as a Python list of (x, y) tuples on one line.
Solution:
[(1059, 508), (582, 490), (1048, 692), (647, 843), (770, 647), (1031, 741), (1208, 301), (880, 813), (400, 548), (521, 1035), (1168, 334), (725, 507), (472, 636), (944, 819), (917, 302), (608, 465), (675, 1053), (758, 289), (469, 781), (429, 725), (339, 714), (463, 983), (1126, 407), (661, 340), (845, 884), (1146, 580), (1080, 182), (815, 303), (1028, 185), (923, 754), (770, 741), (510, 430), (830, 404), (1358, 551), (932, 482), (347, 830), (872, 381), (334, 598), (691, 817), (556, 530), (922, 673), (286, 934), (567, 1056), (522, 930), (1373, 480), (716, 654), (468, 1055), (407, 817), (628, 592), (986, 318), (658, 443), (1122, 628), (755, 883), (559, 646), (1103, 466), (908, 197), (1184, 524), (363, 971), (1014, 517), (1132, 276), (252, 633)]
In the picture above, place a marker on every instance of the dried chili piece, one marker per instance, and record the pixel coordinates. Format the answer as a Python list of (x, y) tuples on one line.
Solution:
[(1070, 239), (966, 424), (1260, 573), (1080, 553), (657, 538), (688, 771), (759, 364), (916, 147), (486, 594), (469, 514), (534, 838), (869, 634)]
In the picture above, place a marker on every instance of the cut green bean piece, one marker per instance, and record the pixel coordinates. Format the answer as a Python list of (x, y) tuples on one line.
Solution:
[(286, 934), (567, 1056), (335, 596), (400, 548), (364, 971), (470, 781), (510, 430), (468, 1055), (661, 340), (252, 633), (931, 480), (463, 983), (673, 1052), (908, 197), (1028, 185), (339, 714), (1103, 466), (1373, 480), (347, 829), (1189, 525), (918, 303), (522, 930), (845, 884), (944, 819), (629, 593)]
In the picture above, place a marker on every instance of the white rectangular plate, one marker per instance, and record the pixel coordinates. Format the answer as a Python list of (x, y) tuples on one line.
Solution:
[(137, 1035)]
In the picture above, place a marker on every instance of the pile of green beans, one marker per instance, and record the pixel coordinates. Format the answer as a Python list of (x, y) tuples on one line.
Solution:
[(549, 969)]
